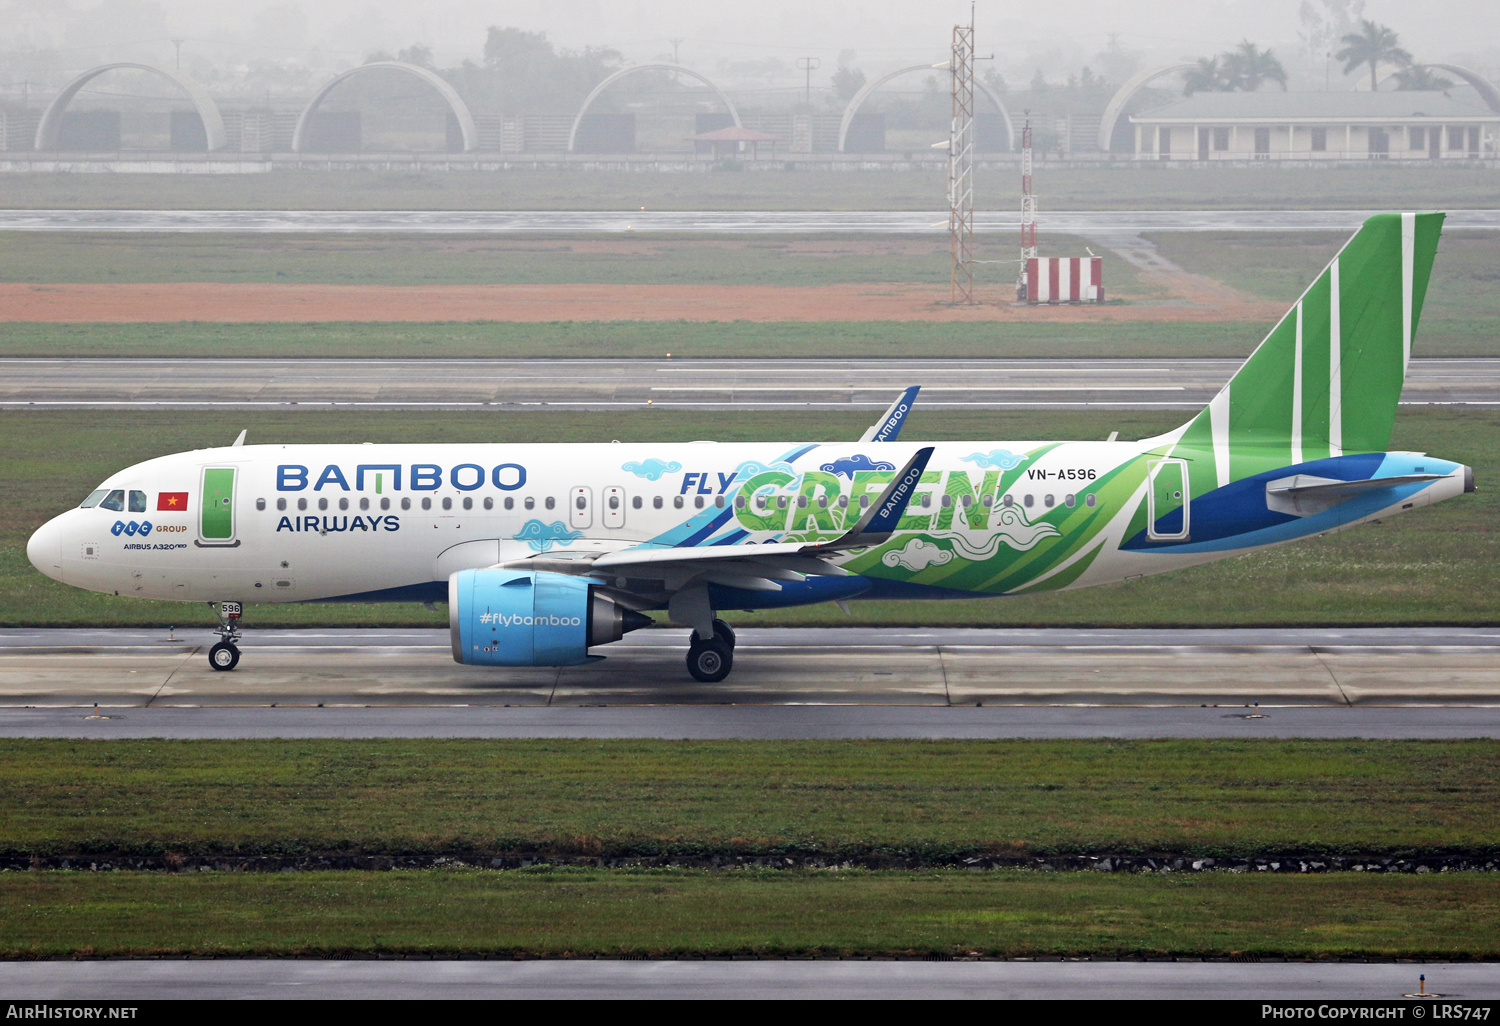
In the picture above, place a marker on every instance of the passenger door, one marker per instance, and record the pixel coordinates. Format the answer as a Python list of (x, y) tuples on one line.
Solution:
[(1167, 493), (216, 514)]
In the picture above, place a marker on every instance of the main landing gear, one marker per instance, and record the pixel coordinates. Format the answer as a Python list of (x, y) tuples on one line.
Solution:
[(226, 654), (709, 661)]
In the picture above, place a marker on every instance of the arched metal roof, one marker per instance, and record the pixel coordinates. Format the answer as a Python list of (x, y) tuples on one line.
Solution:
[(857, 100), (1481, 85), (1116, 105), (447, 92), (612, 79), (213, 125)]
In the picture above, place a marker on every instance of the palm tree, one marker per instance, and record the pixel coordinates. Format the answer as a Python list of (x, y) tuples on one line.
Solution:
[(1247, 67), (1207, 77), (1373, 45), (1419, 77)]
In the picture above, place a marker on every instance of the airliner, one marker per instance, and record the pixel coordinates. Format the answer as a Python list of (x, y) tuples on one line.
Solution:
[(545, 552)]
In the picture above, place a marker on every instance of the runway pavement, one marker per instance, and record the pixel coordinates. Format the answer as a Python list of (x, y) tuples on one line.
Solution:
[(786, 683), (457, 384), (933, 222), (1273, 982)]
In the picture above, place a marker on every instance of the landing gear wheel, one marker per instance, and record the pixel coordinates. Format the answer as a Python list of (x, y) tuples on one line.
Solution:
[(709, 661), (223, 656), (725, 633)]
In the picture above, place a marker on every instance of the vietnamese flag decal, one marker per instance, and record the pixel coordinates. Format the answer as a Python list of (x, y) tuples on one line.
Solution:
[(171, 500)]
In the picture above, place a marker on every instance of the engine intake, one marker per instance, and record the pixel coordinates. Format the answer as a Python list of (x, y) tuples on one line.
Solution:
[(529, 618)]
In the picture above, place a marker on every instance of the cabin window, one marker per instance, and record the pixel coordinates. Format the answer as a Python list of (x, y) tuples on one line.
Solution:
[(426, 502), (93, 499), (947, 501), (801, 502), (635, 502), (322, 503), (1088, 500), (343, 504), (364, 502), (926, 498), (489, 502), (1028, 502), (781, 502), (510, 502), (550, 502), (260, 503), (406, 502), (1069, 501), (468, 502), (843, 502), (967, 500), (114, 501), (988, 500), (677, 502), (760, 502), (137, 502), (529, 502), (698, 502), (614, 502), (864, 502), (281, 504), (385, 503), (301, 503), (656, 502), (718, 502), (1008, 501), (739, 502), (447, 502), (1047, 501), (822, 502)]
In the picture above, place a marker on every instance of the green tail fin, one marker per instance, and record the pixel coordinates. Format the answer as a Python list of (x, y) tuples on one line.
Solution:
[(1327, 379)]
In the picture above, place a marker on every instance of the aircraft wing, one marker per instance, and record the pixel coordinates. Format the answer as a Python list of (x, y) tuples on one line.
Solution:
[(889, 426), (775, 561)]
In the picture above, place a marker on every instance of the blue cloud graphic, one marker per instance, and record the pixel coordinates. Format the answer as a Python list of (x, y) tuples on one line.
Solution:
[(1001, 459), (651, 469), (542, 537), (745, 471), (849, 465)]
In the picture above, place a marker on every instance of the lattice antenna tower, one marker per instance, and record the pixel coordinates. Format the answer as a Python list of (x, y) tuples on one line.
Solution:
[(961, 164), (1028, 206)]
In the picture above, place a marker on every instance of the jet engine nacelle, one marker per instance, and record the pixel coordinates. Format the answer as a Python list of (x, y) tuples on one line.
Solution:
[(525, 618)]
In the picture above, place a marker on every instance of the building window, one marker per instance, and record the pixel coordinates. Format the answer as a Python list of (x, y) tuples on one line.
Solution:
[(1319, 140), (1455, 138), (1221, 138), (1164, 143), (1416, 138), (1262, 142)]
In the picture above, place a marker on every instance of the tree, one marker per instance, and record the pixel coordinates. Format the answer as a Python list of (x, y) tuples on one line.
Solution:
[(1420, 78), (1321, 29), (1373, 45), (1206, 77), (1247, 67), (847, 82)]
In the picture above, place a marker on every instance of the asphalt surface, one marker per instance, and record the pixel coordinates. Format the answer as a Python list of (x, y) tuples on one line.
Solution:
[(457, 384), (789, 683), (1275, 982), (690, 222)]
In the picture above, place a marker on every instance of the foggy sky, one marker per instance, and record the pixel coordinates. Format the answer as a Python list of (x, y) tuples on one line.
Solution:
[(1060, 36)]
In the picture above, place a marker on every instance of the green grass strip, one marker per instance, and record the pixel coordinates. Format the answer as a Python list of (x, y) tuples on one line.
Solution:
[(575, 913), (923, 800)]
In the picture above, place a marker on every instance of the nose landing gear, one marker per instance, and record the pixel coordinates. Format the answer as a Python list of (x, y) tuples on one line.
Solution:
[(226, 654), (709, 661)]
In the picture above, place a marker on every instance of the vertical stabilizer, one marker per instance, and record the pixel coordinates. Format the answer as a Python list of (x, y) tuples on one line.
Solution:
[(1327, 379)]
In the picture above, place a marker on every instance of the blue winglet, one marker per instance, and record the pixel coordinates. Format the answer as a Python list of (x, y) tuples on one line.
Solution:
[(889, 427), (880, 520)]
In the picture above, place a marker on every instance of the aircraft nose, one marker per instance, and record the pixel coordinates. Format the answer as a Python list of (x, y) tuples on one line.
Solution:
[(44, 548)]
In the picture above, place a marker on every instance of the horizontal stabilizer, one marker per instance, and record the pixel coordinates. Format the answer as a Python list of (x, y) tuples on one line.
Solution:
[(1303, 495)]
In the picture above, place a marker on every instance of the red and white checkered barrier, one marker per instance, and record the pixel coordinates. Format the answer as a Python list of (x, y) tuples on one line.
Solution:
[(1065, 280)]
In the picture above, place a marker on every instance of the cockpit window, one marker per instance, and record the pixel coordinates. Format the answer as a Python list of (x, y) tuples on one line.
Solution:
[(137, 502), (93, 499), (115, 500)]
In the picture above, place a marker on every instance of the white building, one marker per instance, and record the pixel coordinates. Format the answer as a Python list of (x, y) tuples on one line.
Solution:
[(1317, 126)]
